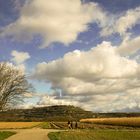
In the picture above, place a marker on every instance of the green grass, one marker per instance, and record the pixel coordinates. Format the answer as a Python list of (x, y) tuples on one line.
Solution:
[(45, 125), (5, 134), (95, 135)]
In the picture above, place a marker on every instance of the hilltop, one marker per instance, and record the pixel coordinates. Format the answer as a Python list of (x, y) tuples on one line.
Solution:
[(56, 113), (50, 113)]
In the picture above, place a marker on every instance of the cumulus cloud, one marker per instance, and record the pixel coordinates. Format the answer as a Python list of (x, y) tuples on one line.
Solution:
[(121, 102), (101, 79), (128, 20), (109, 102), (52, 100), (121, 24), (63, 20), (19, 57), (129, 46), (93, 79), (26, 106), (55, 21), (97, 71)]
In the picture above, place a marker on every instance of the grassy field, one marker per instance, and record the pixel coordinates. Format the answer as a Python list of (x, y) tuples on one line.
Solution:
[(45, 125), (16, 125), (84, 125), (5, 134), (95, 135), (133, 121)]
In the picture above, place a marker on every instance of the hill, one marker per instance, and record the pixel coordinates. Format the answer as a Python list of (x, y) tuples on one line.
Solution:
[(57, 113), (51, 113)]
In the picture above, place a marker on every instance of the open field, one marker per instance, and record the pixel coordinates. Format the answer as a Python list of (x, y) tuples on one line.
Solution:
[(82, 125), (17, 125), (5, 134), (95, 135), (85, 131), (132, 121)]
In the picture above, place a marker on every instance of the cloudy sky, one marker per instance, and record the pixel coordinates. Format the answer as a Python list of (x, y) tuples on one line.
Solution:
[(75, 52)]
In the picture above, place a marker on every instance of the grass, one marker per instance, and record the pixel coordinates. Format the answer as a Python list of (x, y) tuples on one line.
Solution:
[(53, 125), (95, 135), (17, 125), (45, 125), (132, 121), (5, 134)]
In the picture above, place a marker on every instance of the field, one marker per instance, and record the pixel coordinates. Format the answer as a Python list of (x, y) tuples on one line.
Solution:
[(5, 134), (85, 125), (132, 121), (102, 123), (95, 135), (88, 129), (18, 125)]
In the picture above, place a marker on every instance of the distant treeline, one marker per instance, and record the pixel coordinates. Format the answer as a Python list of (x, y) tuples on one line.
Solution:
[(51, 113), (56, 113)]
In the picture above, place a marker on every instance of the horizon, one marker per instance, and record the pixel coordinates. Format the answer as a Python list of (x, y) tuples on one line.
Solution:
[(84, 53)]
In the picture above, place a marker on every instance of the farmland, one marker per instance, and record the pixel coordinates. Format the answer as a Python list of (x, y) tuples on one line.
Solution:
[(18, 125), (86, 129), (132, 121), (124, 128)]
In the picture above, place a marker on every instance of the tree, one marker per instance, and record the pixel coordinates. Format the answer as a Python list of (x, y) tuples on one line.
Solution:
[(13, 85)]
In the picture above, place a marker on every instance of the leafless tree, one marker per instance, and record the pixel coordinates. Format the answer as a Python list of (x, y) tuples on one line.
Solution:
[(13, 85)]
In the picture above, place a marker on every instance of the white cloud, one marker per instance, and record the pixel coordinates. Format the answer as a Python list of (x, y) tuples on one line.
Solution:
[(127, 21), (129, 46), (97, 71), (52, 100), (128, 101), (99, 79), (19, 57), (26, 105), (63, 20), (55, 21), (121, 24)]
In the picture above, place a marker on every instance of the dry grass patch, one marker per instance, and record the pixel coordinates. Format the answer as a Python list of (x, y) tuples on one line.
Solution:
[(132, 121), (15, 125)]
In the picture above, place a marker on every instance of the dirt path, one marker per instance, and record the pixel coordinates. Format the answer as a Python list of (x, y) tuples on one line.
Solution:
[(31, 134)]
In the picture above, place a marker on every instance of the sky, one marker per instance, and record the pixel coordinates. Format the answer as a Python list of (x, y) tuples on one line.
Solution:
[(84, 53)]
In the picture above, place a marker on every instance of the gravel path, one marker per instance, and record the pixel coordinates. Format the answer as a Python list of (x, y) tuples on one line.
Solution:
[(31, 134)]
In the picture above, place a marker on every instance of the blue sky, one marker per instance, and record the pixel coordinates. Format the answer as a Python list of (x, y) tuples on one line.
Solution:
[(99, 37)]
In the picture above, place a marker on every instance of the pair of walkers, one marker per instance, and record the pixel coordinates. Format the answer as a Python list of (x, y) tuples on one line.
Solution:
[(72, 125)]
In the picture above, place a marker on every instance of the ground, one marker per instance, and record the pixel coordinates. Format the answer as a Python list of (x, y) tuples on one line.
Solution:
[(60, 131), (31, 134), (95, 135)]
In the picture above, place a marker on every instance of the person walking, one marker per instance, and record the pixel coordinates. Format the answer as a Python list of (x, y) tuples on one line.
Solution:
[(76, 125), (69, 124)]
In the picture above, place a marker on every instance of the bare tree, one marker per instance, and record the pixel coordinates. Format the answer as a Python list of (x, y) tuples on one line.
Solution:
[(13, 85)]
